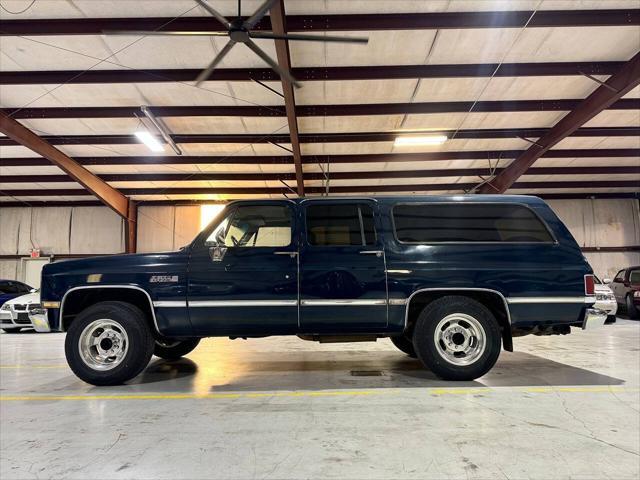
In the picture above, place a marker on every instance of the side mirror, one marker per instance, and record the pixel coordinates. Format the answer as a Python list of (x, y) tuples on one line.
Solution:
[(606, 281)]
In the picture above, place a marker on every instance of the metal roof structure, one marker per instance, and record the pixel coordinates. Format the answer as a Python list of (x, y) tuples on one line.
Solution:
[(496, 77)]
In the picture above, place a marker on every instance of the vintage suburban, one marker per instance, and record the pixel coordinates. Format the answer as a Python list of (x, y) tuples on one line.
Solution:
[(450, 279)]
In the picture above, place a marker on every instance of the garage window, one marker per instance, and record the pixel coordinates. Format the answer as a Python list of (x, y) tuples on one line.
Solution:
[(254, 226), (472, 223), (340, 225)]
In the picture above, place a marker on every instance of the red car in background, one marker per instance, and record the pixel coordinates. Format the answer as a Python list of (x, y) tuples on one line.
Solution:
[(626, 288)]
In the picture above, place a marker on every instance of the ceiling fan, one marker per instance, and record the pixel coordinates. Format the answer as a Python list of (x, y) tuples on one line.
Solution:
[(240, 31)]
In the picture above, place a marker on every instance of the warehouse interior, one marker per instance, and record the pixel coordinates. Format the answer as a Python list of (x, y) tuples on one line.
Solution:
[(522, 97)]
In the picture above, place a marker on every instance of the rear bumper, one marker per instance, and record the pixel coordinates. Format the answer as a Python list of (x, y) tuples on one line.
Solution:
[(593, 318)]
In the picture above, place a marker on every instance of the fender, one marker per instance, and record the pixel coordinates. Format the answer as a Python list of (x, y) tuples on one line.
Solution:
[(132, 287)]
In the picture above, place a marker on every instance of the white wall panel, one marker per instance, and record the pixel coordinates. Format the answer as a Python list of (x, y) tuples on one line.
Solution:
[(9, 269), (50, 229), (96, 230), (155, 228), (187, 225), (606, 264), (15, 224)]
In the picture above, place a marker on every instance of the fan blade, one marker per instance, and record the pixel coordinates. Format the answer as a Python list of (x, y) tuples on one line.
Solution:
[(253, 20), (148, 33), (213, 12), (310, 38), (207, 71), (285, 74)]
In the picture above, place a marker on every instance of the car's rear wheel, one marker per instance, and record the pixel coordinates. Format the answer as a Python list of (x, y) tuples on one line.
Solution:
[(109, 343), (457, 338), (11, 330), (174, 349), (404, 344), (632, 310)]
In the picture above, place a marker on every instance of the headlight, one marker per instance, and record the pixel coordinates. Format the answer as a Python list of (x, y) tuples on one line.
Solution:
[(5, 307)]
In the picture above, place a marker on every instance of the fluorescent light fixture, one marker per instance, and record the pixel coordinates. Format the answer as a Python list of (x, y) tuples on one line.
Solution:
[(149, 140), (415, 140)]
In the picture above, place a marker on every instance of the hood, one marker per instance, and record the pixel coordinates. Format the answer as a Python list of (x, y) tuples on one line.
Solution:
[(26, 299), (108, 263)]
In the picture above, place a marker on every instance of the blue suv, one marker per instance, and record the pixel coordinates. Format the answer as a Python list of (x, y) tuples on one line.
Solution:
[(450, 279)]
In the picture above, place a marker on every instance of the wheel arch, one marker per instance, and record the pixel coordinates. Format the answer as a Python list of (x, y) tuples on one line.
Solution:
[(495, 301), (133, 294)]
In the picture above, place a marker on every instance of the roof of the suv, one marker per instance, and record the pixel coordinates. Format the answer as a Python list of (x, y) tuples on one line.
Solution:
[(522, 199)]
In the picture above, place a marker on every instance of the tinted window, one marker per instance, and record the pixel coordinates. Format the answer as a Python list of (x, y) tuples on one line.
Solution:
[(634, 276), (427, 223), (10, 287), (254, 226), (340, 225)]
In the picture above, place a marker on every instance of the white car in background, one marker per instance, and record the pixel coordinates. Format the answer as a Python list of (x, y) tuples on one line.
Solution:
[(605, 299), (23, 312)]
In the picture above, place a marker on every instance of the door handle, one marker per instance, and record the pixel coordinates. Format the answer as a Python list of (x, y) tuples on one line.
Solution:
[(377, 253), (291, 254)]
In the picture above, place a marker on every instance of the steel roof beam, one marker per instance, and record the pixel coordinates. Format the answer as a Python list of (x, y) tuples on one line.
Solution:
[(95, 186), (314, 110), (311, 74), (279, 27), (261, 177), (341, 137), (616, 87), (336, 22), (315, 159), (335, 189)]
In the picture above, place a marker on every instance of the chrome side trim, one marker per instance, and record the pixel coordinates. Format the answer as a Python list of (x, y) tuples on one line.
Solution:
[(243, 303), (400, 271), (170, 304), (455, 289), (342, 302), (518, 300), (397, 301), (133, 287)]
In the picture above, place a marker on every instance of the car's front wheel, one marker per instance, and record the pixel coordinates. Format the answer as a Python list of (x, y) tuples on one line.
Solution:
[(109, 343), (174, 349), (457, 338)]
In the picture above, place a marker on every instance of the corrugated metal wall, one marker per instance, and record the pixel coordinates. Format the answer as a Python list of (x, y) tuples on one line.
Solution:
[(91, 230)]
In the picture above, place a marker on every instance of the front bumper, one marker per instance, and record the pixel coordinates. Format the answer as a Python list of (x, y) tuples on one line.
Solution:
[(40, 322), (593, 318)]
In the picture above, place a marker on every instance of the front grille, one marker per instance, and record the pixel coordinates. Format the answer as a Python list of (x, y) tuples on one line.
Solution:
[(23, 319), (18, 307), (604, 297)]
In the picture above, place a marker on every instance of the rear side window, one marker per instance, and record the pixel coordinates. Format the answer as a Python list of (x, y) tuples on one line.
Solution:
[(340, 225), (634, 276), (433, 223)]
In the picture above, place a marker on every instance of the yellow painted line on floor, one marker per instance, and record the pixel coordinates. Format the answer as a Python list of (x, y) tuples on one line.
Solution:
[(329, 393), (32, 366)]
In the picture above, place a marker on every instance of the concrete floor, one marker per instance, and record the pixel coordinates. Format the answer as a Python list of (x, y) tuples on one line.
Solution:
[(560, 407)]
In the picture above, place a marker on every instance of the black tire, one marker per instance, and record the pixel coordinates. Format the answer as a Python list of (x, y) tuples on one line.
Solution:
[(404, 344), (172, 350), (140, 343), (610, 319), (11, 330), (429, 353), (632, 310)]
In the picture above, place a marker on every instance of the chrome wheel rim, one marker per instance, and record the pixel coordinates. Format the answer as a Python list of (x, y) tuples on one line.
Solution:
[(103, 344), (460, 339)]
